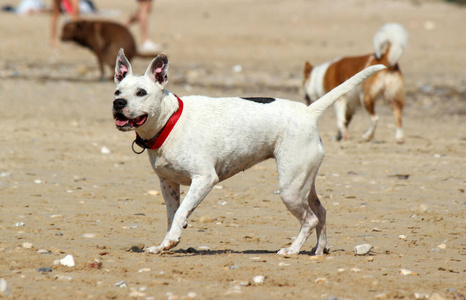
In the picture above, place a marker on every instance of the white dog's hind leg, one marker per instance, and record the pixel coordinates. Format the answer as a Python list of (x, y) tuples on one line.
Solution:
[(321, 229), (296, 178), (308, 222), (200, 187)]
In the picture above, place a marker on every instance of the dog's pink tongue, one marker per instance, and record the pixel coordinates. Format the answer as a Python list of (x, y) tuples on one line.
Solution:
[(139, 121), (120, 123)]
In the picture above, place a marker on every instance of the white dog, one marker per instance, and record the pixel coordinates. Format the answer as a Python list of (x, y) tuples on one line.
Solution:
[(200, 141)]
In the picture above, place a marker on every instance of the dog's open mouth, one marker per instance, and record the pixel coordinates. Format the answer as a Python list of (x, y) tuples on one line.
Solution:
[(123, 123)]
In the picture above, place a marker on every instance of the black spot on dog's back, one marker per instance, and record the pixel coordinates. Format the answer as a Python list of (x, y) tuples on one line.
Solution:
[(263, 100)]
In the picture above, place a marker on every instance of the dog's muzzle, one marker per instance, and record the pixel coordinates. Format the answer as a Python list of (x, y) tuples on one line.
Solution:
[(119, 104), (122, 122)]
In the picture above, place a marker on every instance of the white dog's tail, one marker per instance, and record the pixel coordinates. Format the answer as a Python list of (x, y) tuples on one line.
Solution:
[(393, 35), (320, 106)]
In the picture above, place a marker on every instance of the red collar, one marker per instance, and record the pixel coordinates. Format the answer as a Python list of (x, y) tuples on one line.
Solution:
[(157, 141)]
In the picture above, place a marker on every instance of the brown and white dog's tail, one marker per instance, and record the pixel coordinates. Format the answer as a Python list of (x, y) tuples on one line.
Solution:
[(392, 37), (318, 107)]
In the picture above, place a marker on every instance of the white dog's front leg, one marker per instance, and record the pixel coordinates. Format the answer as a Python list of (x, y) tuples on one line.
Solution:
[(171, 195), (200, 187)]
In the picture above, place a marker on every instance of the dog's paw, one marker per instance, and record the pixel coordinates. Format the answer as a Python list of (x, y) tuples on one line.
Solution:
[(368, 136), (287, 252), (319, 251), (154, 250), (399, 136), (165, 246)]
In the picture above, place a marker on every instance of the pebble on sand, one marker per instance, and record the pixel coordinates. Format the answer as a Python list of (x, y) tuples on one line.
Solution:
[(144, 270), (259, 279), (133, 248), (67, 261), (121, 284), (321, 280), (105, 150), (44, 270), (362, 249), (94, 264), (407, 272), (442, 246), (27, 245), (136, 294), (4, 288), (153, 192), (43, 251)]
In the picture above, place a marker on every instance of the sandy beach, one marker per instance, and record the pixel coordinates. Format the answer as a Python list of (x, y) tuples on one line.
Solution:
[(71, 185)]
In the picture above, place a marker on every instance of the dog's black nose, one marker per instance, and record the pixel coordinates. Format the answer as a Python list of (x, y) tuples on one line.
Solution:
[(118, 104)]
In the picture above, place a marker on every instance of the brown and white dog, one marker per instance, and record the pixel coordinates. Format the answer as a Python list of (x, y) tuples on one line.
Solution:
[(389, 44)]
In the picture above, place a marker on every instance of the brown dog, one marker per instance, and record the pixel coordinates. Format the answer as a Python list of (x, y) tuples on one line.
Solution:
[(104, 38)]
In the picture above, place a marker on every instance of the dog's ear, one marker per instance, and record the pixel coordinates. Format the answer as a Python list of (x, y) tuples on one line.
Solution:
[(122, 67), (158, 70), (307, 71), (307, 68)]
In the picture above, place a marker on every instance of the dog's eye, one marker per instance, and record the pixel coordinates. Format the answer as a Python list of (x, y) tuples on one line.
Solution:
[(117, 93), (141, 93)]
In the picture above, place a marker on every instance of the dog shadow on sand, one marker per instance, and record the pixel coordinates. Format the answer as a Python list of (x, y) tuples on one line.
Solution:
[(194, 252)]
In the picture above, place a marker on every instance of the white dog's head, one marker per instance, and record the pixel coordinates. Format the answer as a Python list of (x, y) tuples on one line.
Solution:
[(137, 99)]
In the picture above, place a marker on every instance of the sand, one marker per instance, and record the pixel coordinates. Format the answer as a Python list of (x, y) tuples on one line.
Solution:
[(71, 185)]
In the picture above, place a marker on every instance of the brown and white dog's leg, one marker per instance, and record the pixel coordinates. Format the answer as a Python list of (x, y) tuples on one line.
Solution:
[(369, 104), (341, 111), (397, 110)]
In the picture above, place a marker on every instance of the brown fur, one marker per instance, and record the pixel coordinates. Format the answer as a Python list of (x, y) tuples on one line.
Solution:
[(341, 70), (104, 38), (307, 71)]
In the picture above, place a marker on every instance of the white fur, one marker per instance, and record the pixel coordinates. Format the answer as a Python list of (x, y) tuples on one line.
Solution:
[(215, 138), (395, 35)]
